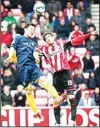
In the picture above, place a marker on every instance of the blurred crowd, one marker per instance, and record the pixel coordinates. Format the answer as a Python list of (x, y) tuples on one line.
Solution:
[(67, 19)]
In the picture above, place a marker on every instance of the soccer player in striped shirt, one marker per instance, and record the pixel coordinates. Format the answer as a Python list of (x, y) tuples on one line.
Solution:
[(55, 55)]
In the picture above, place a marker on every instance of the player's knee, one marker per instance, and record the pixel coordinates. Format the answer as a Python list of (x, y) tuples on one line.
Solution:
[(42, 81), (71, 94), (29, 89)]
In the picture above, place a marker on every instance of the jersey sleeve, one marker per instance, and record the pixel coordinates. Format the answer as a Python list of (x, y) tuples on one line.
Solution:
[(15, 41), (78, 40)]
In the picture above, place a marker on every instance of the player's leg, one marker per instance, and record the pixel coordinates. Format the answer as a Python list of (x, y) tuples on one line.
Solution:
[(30, 98), (73, 103), (31, 101), (42, 81), (25, 77), (38, 77), (58, 84), (71, 96)]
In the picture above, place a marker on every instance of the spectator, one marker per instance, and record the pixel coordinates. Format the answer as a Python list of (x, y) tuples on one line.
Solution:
[(72, 25), (73, 2), (90, 25), (85, 12), (86, 3), (78, 94), (82, 87), (8, 76), (93, 45), (96, 96), (97, 76), (10, 18), (59, 17), (43, 25), (22, 17), (91, 81), (91, 28), (50, 19), (86, 101), (6, 98), (47, 15), (54, 7), (26, 5), (63, 2), (4, 12), (37, 28), (1, 85), (35, 16), (4, 53), (20, 97), (7, 4), (88, 62), (78, 77), (15, 4), (74, 60), (76, 32), (69, 10), (4, 49), (6, 37), (80, 20), (62, 29), (12, 29), (20, 28)]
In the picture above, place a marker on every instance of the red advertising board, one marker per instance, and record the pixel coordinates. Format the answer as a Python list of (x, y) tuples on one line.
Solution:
[(25, 117)]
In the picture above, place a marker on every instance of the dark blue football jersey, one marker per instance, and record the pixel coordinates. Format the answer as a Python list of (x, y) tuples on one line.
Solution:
[(25, 48)]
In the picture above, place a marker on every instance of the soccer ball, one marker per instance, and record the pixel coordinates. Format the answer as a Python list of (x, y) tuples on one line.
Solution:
[(39, 8)]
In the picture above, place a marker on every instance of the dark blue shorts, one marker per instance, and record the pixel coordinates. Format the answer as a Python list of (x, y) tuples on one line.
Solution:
[(29, 74)]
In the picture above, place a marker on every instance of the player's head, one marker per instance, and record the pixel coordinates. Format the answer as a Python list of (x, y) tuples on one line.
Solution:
[(29, 30), (49, 38)]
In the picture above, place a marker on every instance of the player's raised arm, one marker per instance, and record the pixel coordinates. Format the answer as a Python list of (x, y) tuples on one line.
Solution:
[(78, 40)]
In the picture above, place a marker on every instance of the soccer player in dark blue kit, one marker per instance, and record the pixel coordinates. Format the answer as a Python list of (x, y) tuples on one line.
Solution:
[(27, 56)]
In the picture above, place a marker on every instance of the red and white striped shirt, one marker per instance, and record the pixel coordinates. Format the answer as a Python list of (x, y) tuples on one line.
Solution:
[(56, 56), (68, 12)]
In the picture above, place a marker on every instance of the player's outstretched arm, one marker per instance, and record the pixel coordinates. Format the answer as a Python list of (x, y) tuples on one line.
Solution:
[(78, 40)]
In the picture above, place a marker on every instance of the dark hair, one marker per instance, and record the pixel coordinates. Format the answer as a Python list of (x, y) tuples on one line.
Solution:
[(27, 25), (77, 25), (93, 26), (46, 33), (23, 12)]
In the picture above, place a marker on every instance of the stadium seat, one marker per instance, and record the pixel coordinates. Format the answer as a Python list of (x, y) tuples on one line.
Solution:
[(41, 101), (50, 101), (41, 93)]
